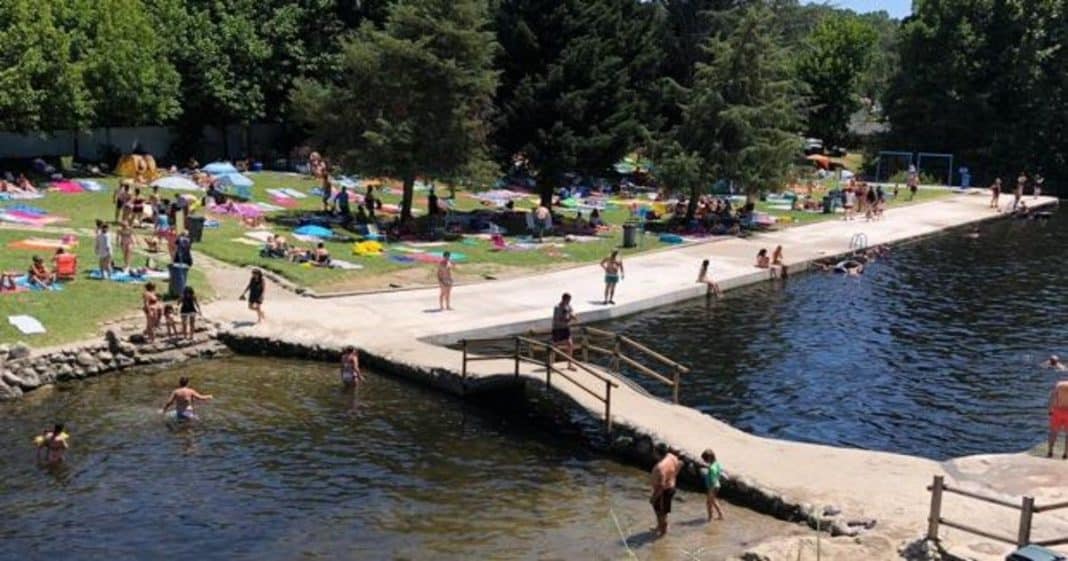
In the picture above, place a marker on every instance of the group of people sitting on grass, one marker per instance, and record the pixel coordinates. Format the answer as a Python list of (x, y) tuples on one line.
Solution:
[(9, 184), (716, 215), (39, 275), (276, 246)]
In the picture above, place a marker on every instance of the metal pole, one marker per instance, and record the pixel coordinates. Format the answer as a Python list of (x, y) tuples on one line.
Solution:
[(549, 365), (608, 406), (936, 508), (517, 357), (676, 388), (1027, 509)]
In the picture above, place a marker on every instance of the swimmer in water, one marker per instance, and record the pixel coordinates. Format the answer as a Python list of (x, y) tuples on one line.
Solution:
[(974, 234), (1055, 363), (182, 399), (1058, 416), (52, 445), (350, 367)]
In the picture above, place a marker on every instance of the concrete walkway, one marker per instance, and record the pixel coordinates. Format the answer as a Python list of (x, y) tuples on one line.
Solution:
[(403, 327)]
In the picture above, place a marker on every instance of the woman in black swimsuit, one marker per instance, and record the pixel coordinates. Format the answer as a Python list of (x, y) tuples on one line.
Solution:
[(255, 291)]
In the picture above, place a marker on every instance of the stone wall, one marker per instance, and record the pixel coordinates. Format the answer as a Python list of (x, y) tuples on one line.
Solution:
[(22, 370)]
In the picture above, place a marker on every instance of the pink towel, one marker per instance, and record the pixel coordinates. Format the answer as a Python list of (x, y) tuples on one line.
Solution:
[(67, 187)]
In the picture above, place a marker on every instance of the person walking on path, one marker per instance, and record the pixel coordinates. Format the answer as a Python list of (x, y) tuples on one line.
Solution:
[(613, 273), (102, 247), (255, 289), (663, 477), (1017, 193), (563, 318), (182, 399), (1058, 416), (350, 367), (995, 193), (445, 282), (914, 182), (712, 474)]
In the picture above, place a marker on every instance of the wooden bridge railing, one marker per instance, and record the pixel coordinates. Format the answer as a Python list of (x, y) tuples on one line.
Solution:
[(552, 353), (1026, 507), (623, 350)]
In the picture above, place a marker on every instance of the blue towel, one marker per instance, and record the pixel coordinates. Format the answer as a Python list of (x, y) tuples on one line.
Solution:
[(24, 282)]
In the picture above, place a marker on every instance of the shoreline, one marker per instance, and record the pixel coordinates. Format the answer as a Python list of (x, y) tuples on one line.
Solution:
[(876, 496)]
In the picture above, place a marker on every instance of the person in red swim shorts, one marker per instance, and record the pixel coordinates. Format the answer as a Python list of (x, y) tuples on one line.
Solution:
[(1058, 416)]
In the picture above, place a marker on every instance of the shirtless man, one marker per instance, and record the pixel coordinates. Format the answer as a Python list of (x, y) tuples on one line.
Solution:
[(613, 273), (350, 367), (663, 478), (445, 282), (182, 399), (52, 445), (1058, 416), (1055, 363)]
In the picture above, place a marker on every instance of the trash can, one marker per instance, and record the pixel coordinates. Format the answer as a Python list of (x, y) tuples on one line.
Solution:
[(828, 204), (195, 225), (630, 235), (1034, 553), (179, 272)]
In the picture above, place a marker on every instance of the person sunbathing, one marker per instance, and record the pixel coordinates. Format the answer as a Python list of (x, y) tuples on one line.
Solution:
[(25, 185), (38, 275), (7, 281), (320, 257)]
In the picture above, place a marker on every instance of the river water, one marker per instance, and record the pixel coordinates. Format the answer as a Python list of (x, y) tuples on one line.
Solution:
[(285, 466), (932, 352)]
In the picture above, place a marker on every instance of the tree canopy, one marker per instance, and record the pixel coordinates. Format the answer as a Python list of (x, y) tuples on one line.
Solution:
[(414, 96)]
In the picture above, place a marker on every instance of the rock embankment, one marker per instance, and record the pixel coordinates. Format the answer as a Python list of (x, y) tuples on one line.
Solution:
[(23, 370)]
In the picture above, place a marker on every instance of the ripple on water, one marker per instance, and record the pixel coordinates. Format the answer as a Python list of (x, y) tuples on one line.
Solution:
[(932, 352)]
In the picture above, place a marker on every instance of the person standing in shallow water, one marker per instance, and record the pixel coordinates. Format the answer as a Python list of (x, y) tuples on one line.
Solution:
[(52, 445), (613, 273), (350, 367), (712, 475), (182, 399), (663, 477), (255, 289)]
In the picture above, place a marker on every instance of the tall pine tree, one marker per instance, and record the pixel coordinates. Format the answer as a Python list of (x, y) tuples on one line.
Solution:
[(414, 96), (742, 116), (576, 83)]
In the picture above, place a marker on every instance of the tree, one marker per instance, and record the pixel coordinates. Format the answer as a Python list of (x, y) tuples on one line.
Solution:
[(413, 98), (837, 54), (124, 65), (576, 83), (742, 116), (41, 88)]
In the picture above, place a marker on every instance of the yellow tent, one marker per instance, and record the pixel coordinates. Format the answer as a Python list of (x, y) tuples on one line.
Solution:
[(137, 166)]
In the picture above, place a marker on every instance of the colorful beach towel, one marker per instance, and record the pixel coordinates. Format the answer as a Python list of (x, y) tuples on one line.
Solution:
[(132, 277), (91, 185), (28, 325), (68, 187)]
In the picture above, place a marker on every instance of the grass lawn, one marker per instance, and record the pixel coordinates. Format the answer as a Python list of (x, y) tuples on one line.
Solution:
[(76, 311), (799, 218), (380, 272)]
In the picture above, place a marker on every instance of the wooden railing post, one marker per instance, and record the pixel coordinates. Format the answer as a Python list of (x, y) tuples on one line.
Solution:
[(608, 406), (936, 508), (615, 355), (675, 390), (585, 345), (1027, 509), (517, 357), (463, 368), (549, 356)]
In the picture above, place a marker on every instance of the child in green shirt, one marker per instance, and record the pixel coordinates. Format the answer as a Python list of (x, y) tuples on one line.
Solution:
[(712, 474)]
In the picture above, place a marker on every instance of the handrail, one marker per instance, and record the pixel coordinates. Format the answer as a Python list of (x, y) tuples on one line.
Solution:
[(572, 359), (623, 343), (1026, 508), (653, 353)]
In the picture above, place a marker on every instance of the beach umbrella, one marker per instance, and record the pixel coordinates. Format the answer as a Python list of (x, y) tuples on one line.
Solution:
[(220, 168), (234, 180), (176, 183)]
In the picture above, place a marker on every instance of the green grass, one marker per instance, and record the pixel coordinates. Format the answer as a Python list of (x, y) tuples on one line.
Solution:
[(379, 271), (75, 312), (800, 218)]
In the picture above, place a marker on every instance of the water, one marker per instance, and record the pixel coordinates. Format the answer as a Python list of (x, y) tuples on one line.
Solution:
[(286, 466), (933, 352)]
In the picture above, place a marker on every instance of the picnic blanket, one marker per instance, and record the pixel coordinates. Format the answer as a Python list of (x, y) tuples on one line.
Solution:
[(91, 185), (289, 191), (24, 282), (268, 207), (259, 235), (28, 325), (41, 244), (344, 265), (68, 187), (131, 277), (313, 230), (241, 210), (18, 196), (28, 219)]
